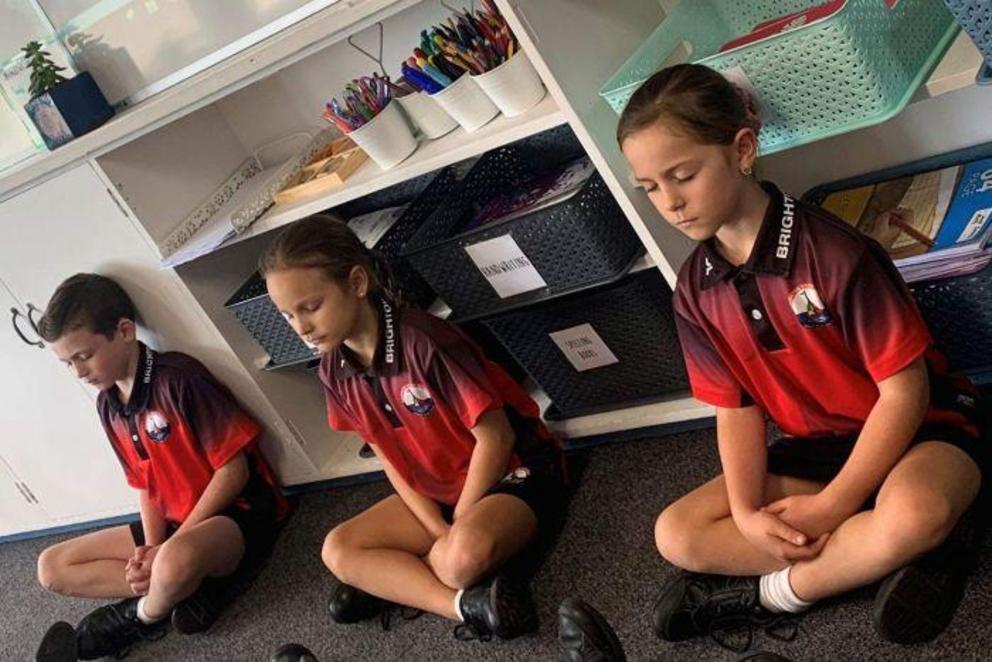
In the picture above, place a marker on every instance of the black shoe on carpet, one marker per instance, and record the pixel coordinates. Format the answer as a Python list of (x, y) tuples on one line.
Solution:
[(112, 630), (585, 636), (724, 607), (293, 653), (352, 605), (58, 644), (500, 607), (200, 611), (916, 603), (762, 656)]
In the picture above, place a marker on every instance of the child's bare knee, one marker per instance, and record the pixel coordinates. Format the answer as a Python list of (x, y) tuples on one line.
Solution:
[(176, 565), (676, 536), (915, 524), (334, 552), (470, 556), (50, 566)]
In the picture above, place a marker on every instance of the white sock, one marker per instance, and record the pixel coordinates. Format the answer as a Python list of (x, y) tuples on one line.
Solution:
[(777, 596), (458, 605), (142, 616)]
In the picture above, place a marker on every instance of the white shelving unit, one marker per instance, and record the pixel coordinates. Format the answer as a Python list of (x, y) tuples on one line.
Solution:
[(430, 156), (162, 157)]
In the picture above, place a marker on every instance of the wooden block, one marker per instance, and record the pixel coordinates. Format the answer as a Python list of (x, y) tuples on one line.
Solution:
[(329, 169)]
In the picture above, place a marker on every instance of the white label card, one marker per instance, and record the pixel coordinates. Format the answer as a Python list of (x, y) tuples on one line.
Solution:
[(371, 227), (583, 347), (505, 266)]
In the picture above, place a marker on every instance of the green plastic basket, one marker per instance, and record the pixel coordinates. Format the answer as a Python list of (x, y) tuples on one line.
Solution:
[(857, 68)]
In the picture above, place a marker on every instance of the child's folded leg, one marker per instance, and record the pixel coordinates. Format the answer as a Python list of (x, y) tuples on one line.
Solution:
[(381, 550), (916, 508), (90, 566), (212, 548)]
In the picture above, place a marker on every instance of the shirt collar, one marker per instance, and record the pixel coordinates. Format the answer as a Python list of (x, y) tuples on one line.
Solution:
[(142, 389), (385, 361), (774, 249)]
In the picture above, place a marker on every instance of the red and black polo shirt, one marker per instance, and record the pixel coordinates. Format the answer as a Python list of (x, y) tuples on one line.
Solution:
[(179, 426), (418, 402), (806, 327)]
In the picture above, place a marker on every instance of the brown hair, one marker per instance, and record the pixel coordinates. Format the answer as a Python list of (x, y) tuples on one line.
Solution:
[(326, 242), (696, 99), (88, 301)]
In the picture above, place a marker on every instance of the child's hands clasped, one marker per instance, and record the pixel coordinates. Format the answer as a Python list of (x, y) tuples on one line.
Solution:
[(772, 534), (138, 570), (807, 513)]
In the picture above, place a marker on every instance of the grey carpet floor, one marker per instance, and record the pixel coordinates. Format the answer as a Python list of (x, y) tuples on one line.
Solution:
[(605, 554)]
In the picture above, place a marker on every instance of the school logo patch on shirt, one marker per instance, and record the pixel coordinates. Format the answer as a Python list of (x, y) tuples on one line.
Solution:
[(808, 307), (417, 399), (157, 426), (517, 476)]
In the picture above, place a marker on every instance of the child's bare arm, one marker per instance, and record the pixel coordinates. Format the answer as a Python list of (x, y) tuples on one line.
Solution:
[(740, 436), (424, 509), (152, 521), (741, 439), (223, 488), (895, 417), (494, 438), (890, 426)]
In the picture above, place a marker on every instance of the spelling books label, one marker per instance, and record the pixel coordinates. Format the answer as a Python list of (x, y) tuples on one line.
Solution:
[(505, 266), (583, 347)]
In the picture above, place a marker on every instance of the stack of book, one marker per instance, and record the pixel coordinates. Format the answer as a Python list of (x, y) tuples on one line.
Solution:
[(934, 224)]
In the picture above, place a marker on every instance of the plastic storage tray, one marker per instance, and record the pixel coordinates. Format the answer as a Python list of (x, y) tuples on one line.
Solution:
[(959, 314), (578, 243), (635, 320), (975, 16), (858, 67), (256, 312), (958, 310)]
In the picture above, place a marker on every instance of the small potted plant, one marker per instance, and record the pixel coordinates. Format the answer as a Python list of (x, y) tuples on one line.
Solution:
[(61, 108)]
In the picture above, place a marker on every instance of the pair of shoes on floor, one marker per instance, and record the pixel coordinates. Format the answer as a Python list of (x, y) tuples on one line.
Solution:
[(500, 607), (112, 630), (913, 605), (916, 603), (585, 636)]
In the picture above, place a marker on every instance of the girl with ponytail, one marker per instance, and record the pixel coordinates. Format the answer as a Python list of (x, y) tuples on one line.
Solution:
[(477, 476), (786, 313)]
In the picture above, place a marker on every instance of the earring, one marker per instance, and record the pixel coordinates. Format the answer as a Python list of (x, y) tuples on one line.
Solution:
[(747, 171)]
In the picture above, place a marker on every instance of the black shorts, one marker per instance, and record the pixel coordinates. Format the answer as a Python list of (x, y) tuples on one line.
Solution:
[(540, 483), (255, 513), (820, 459)]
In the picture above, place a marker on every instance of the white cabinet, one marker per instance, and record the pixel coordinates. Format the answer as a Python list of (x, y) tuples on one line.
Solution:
[(19, 511)]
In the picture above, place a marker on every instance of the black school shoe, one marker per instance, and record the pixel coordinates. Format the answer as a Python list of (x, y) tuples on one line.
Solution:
[(198, 612), (916, 603), (723, 607), (501, 607), (112, 630), (353, 605), (349, 605), (58, 644), (293, 653), (585, 636), (762, 656)]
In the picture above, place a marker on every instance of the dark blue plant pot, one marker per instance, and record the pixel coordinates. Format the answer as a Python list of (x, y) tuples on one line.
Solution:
[(69, 110)]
